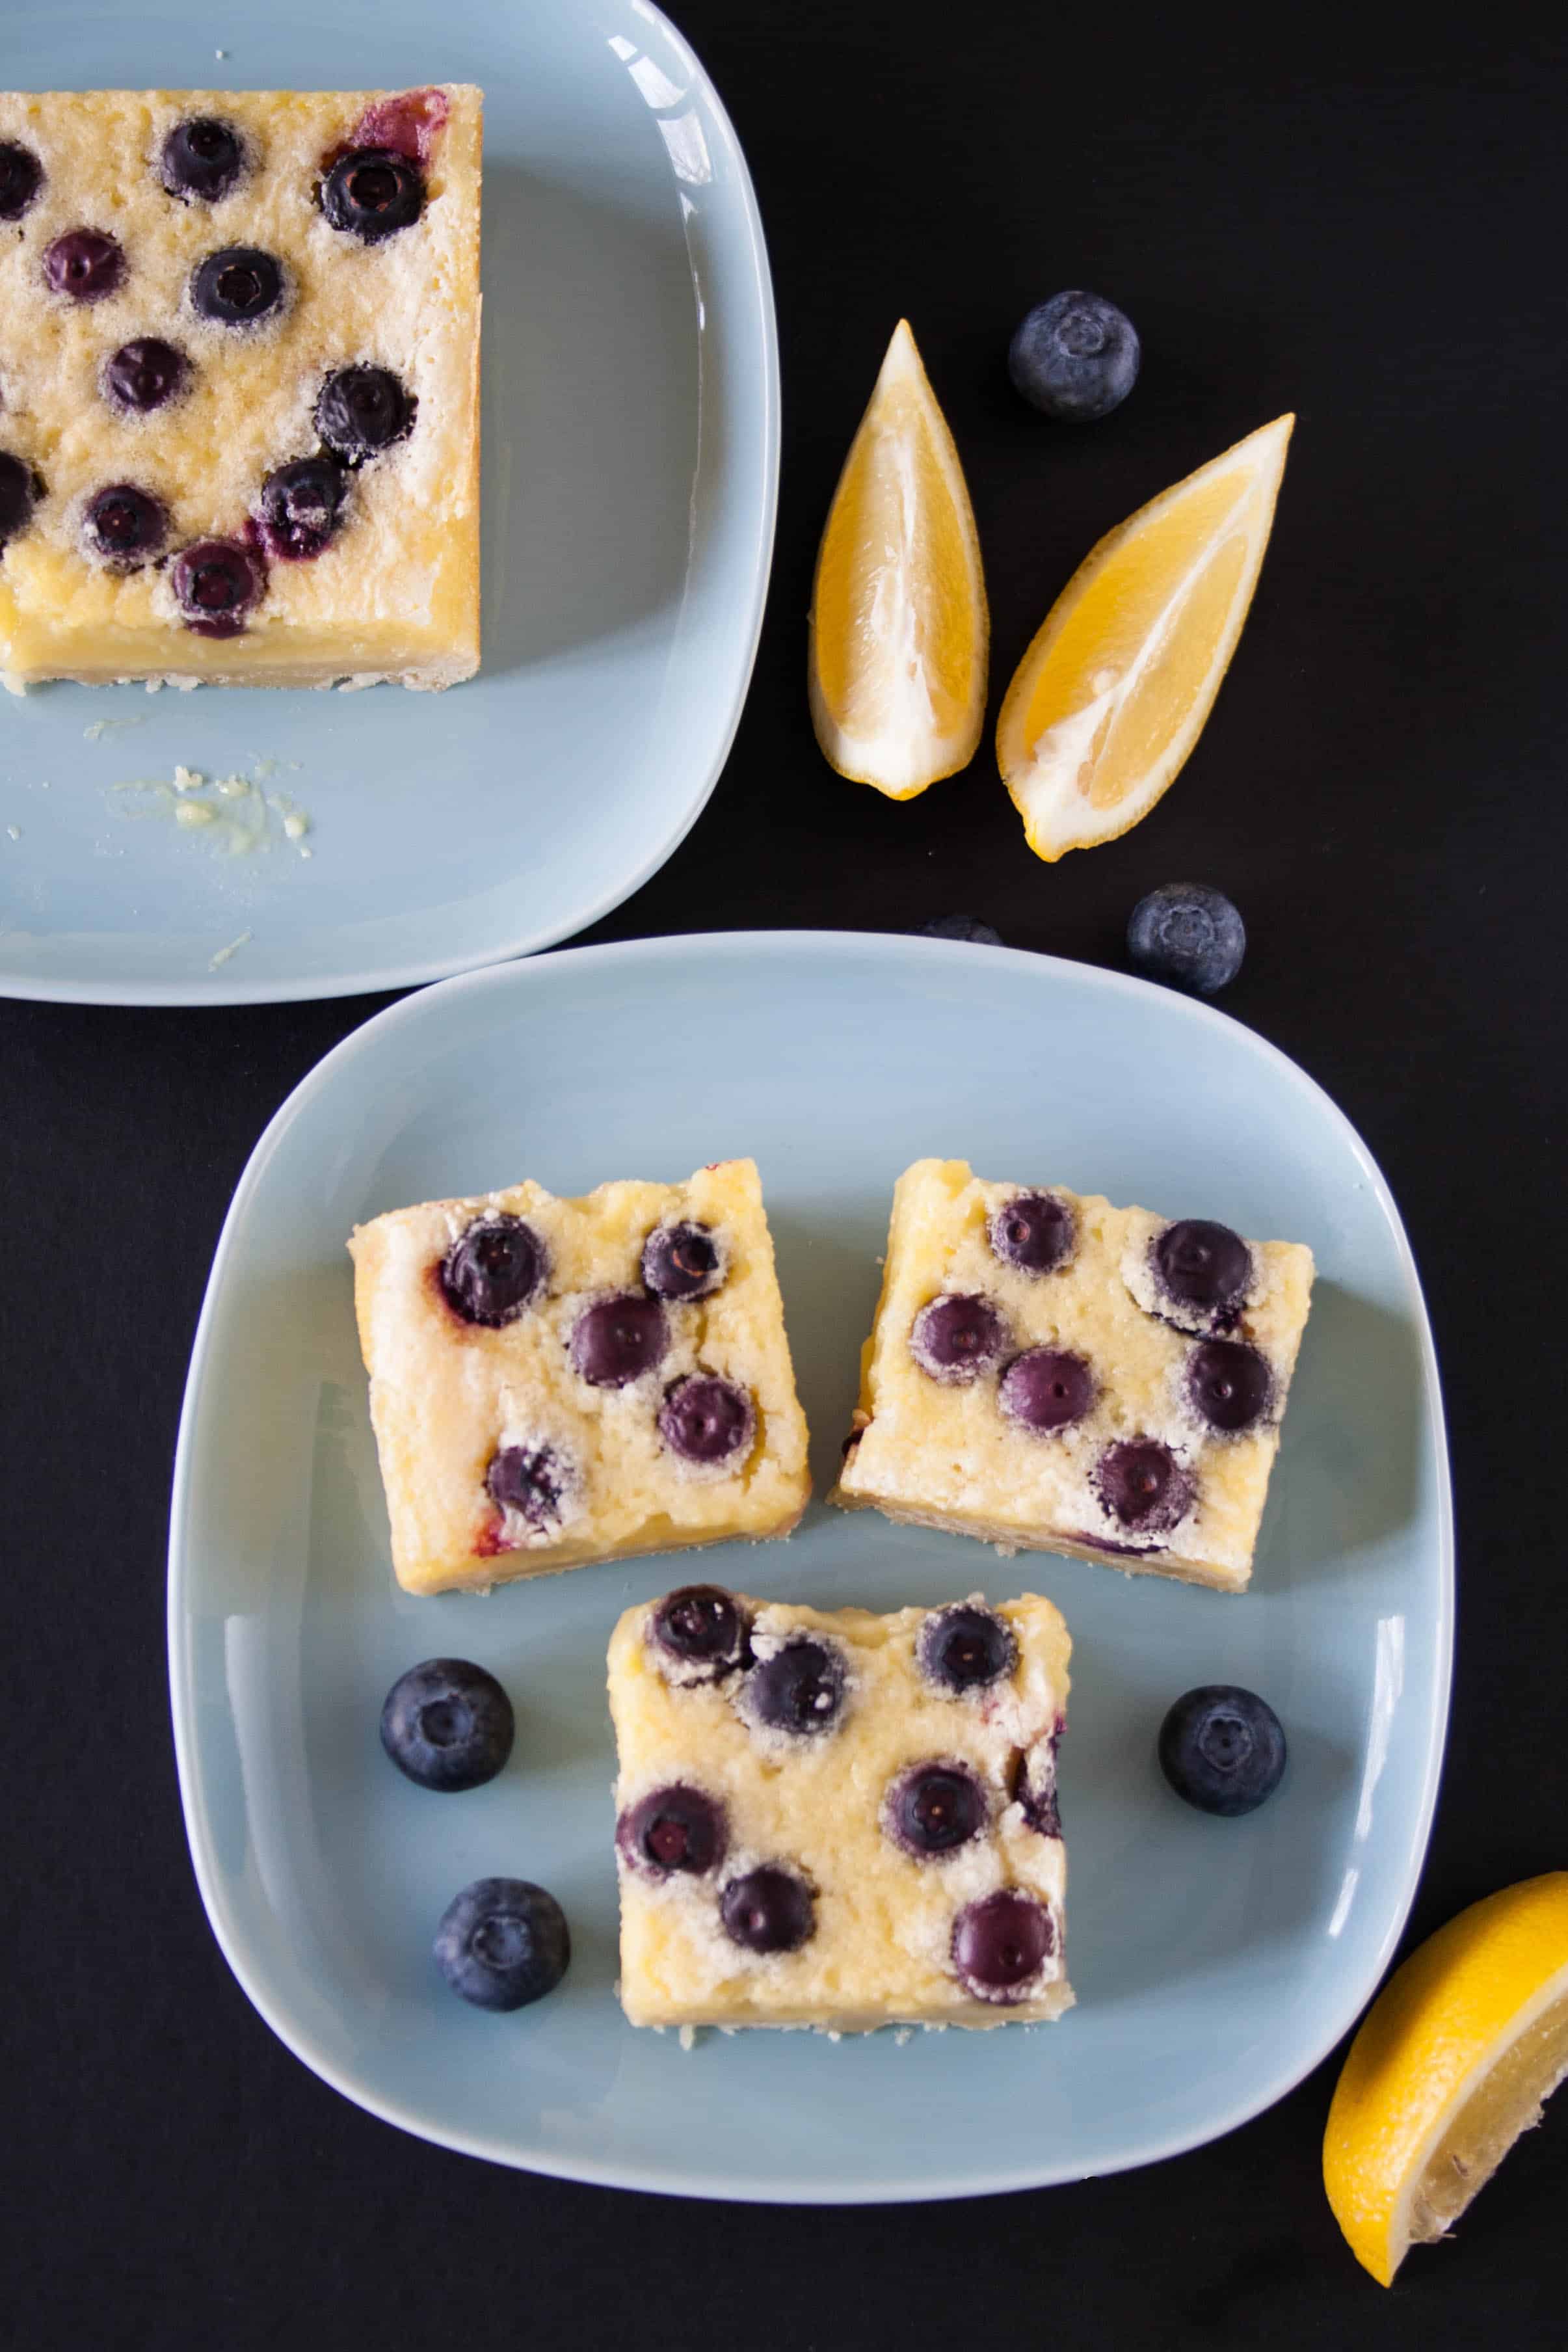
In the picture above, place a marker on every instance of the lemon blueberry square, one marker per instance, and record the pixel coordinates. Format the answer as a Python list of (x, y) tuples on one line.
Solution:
[(561, 1380), (239, 390), (839, 1819), (1047, 1372)]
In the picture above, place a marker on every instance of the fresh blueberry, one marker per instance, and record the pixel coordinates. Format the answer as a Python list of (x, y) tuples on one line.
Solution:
[(682, 1262), (536, 1481), (362, 410), (19, 494), (84, 264), (1075, 357), (1187, 934), (447, 1724), (958, 1336), (1001, 1943), (125, 527), (372, 193), (236, 288), (960, 927), (21, 177), (1046, 1389), (702, 1628), (616, 1340), (1142, 1484), (1036, 1232), (768, 1910), (965, 1647), (705, 1420), (800, 1688), (1204, 1267), (142, 375), (1229, 1383), (932, 1808), (202, 158), (494, 1270), (218, 584), (674, 1828), (1222, 1748), (301, 507), (503, 1942)]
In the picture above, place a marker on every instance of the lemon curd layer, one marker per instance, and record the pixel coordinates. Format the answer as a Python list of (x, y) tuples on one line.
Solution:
[(175, 337), (1047, 1372), (831, 1819), (561, 1380)]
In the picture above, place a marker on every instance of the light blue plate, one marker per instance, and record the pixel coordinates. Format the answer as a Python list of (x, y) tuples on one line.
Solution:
[(631, 467), (1215, 1961)]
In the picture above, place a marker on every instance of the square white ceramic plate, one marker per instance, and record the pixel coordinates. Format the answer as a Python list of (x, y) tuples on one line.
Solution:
[(1215, 1961), (631, 424)]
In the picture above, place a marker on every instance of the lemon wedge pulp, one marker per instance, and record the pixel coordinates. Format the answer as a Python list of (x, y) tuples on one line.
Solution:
[(899, 629), (1112, 695), (1450, 2064)]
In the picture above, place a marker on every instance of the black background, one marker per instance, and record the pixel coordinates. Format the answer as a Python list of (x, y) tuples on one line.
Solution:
[(1355, 225)]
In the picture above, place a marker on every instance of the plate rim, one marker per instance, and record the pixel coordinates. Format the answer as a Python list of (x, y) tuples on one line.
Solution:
[(231, 987), (1300, 2059)]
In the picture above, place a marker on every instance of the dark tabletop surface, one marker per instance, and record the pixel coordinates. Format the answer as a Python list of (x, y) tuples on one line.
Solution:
[(1353, 225)]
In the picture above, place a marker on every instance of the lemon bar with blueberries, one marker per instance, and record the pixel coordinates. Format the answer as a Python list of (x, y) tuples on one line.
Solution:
[(561, 1380), (239, 421), (833, 1819), (1049, 1372)]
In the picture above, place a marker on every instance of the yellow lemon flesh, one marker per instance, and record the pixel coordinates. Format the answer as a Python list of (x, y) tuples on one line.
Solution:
[(1451, 2062), (1112, 693), (899, 631)]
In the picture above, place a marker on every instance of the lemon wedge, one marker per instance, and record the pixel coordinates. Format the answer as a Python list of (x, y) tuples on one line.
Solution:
[(1450, 2065), (1112, 696), (899, 632)]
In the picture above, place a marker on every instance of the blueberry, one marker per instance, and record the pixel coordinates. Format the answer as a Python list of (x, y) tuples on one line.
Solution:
[(362, 410), (682, 1262), (19, 492), (1222, 1748), (202, 158), (618, 1340), (702, 1628), (236, 288), (706, 1420), (144, 375), (536, 1481), (1229, 1383), (494, 1270), (1002, 1942), (1046, 1389), (503, 1942), (768, 1910), (301, 505), (1036, 1232), (372, 193), (447, 1724), (674, 1828), (965, 1647), (932, 1808), (1032, 1784), (960, 927), (125, 527), (217, 583), (800, 1688), (1187, 934), (1142, 1484), (85, 264), (21, 177), (1203, 1265), (958, 1336), (1076, 357)]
